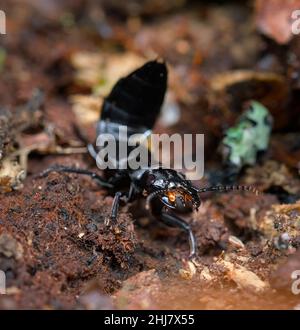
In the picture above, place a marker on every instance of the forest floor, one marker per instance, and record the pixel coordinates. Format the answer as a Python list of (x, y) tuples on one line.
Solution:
[(54, 247)]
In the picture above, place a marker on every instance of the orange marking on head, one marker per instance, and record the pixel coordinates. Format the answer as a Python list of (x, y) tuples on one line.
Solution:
[(172, 196)]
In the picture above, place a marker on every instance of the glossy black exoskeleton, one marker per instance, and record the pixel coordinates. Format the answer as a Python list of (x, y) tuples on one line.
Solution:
[(135, 102)]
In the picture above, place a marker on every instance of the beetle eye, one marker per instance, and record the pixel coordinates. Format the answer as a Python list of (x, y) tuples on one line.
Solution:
[(172, 197)]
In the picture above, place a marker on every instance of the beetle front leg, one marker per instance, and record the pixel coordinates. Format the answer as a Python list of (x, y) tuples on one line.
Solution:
[(114, 209), (116, 203), (174, 221)]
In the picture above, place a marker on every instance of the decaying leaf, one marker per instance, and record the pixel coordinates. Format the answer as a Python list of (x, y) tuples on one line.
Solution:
[(243, 277), (16, 143), (101, 71), (224, 81), (86, 108), (231, 89), (205, 275), (11, 175), (44, 142)]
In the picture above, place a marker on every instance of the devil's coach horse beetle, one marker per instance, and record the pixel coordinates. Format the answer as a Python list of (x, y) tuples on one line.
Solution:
[(135, 102)]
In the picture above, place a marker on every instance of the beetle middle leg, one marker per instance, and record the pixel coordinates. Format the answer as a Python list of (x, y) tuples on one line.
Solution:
[(174, 221)]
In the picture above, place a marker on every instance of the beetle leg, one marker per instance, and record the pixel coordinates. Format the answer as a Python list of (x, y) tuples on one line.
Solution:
[(116, 202), (131, 193), (174, 221), (114, 209), (92, 151), (66, 169)]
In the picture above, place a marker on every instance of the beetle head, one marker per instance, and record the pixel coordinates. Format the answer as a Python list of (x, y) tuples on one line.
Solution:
[(173, 190), (177, 193)]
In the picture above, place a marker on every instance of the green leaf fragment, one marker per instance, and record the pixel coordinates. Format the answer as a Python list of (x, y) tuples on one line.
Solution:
[(251, 135)]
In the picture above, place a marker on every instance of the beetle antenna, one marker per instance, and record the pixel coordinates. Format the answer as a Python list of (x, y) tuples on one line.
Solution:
[(228, 188)]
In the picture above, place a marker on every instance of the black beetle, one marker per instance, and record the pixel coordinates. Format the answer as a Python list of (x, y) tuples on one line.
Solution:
[(135, 102)]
